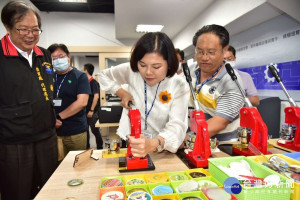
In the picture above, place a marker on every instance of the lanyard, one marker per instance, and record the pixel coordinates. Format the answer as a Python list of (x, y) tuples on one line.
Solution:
[(147, 113), (198, 78), (58, 88)]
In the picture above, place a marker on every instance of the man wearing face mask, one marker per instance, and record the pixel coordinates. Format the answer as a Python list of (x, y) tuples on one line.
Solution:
[(250, 89), (71, 93)]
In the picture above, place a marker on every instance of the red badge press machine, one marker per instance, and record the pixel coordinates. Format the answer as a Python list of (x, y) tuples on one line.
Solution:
[(253, 129), (198, 144), (290, 132), (131, 163)]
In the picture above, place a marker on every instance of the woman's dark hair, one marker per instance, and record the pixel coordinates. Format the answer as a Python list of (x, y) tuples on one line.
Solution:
[(155, 42), (15, 11), (55, 46), (220, 31)]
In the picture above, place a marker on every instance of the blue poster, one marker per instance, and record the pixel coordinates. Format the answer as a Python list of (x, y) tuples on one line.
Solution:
[(288, 71)]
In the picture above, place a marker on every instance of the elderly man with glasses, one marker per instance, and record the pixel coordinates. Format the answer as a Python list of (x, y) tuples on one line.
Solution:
[(218, 96), (28, 144)]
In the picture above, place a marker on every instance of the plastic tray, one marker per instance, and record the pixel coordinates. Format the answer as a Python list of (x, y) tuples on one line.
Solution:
[(295, 192), (149, 186), (251, 193)]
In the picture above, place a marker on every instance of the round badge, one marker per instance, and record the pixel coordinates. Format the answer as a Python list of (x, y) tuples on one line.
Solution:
[(140, 196), (129, 192), (206, 184), (217, 193), (75, 182), (191, 198), (135, 181), (112, 182), (157, 178), (162, 189), (112, 195), (188, 186), (197, 174), (178, 177), (70, 198)]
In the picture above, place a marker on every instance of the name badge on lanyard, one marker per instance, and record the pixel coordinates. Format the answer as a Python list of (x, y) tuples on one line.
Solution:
[(57, 102), (146, 134)]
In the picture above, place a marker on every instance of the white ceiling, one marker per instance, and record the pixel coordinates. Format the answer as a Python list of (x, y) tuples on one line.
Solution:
[(173, 14), (253, 18), (177, 15)]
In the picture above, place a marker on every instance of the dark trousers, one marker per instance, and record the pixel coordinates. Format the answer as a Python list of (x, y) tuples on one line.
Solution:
[(91, 122), (25, 168)]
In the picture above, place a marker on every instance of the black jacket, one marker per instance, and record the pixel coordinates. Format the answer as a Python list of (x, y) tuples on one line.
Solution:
[(26, 109)]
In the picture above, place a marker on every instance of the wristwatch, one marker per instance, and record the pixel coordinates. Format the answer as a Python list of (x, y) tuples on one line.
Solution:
[(159, 147), (58, 117)]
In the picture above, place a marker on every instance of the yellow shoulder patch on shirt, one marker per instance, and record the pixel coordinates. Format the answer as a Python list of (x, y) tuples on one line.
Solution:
[(207, 99)]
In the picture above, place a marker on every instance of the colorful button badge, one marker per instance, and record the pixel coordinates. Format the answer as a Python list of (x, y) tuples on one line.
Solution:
[(112, 183), (162, 189)]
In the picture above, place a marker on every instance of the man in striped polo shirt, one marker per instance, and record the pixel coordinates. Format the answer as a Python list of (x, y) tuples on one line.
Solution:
[(218, 96)]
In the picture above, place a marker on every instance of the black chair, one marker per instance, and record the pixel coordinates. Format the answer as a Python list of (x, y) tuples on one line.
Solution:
[(269, 109)]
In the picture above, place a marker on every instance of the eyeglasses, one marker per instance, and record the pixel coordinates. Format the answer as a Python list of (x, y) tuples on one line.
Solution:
[(201, 53), (229, 58), (26, 31), (59, 56)]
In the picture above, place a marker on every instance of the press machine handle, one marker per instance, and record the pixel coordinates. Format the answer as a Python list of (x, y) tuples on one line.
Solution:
[(188, 77), (275, 73), (231, 73)]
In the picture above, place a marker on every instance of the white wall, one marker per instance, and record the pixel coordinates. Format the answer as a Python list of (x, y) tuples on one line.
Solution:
[(254, 53), (78, 29), (75, 29), (2, 29), (280, 50), (79, 61)]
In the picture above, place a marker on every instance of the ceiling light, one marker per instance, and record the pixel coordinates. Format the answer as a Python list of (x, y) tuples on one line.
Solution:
[(144, 28), (74, 1)]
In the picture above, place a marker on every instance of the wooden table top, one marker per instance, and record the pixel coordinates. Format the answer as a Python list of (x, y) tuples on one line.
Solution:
[(274, 143), (92, 171), (104, 125)]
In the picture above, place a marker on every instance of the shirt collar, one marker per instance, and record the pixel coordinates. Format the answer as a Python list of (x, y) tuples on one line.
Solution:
[(9, 49), (23, 53), (219, 76)]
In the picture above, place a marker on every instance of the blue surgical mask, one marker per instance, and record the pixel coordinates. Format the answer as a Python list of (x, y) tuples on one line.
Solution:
[(61, 64), (179, 67)]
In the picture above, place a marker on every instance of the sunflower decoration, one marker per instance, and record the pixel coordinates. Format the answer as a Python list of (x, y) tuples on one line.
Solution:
[(165, 97)]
